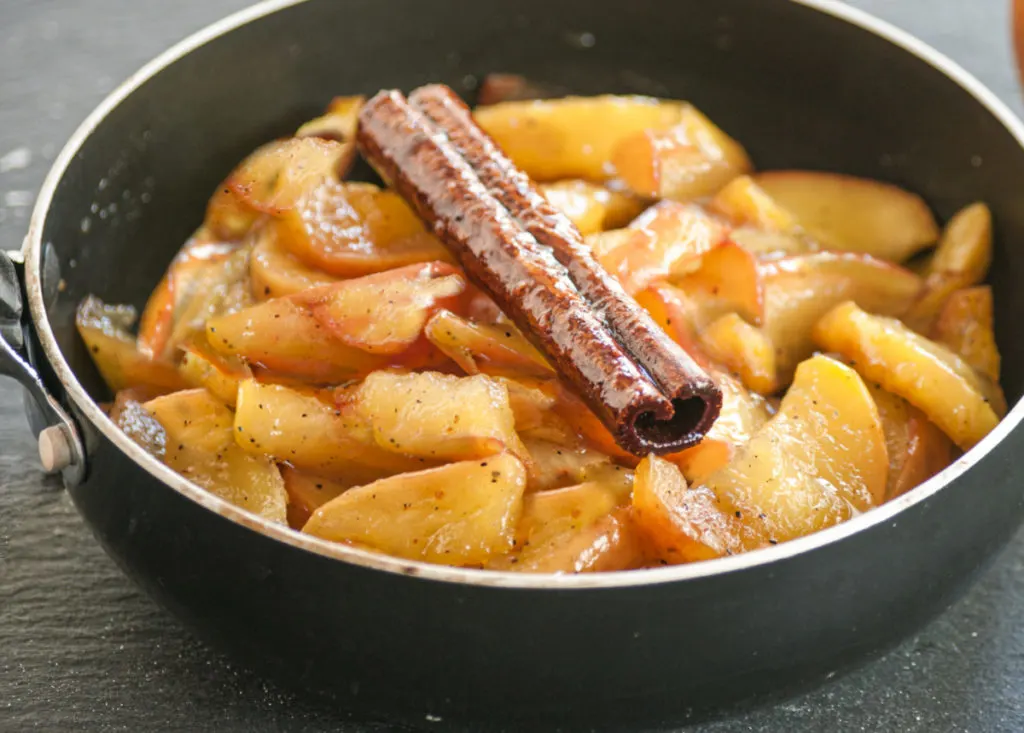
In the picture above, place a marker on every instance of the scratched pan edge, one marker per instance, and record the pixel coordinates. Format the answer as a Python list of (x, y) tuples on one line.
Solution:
[(380, 636)]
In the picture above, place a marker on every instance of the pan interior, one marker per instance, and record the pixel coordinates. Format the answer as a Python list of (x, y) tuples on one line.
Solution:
[(138, 185)]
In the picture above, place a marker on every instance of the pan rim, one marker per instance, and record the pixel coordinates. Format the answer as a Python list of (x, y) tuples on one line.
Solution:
[(888, 512)]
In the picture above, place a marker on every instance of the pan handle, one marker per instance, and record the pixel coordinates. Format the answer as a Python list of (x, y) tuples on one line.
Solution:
[(60, 444)]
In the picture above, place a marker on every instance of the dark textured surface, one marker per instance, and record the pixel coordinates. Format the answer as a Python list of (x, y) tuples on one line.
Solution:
[(81, 648)]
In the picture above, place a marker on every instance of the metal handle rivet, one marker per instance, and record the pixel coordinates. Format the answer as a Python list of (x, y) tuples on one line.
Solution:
[(54, 450)]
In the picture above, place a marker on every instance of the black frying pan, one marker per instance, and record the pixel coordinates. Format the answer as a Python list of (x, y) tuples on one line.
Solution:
[(802, 84)]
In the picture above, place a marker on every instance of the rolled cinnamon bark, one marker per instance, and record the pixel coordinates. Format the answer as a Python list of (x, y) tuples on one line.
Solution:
[(645, 389)]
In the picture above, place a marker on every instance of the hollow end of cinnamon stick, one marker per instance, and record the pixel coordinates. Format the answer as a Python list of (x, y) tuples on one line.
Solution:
[(647, 431)]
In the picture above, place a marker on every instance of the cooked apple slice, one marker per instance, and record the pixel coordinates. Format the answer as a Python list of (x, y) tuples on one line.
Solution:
[(853, 214), (206, 279), (496, 350), (894, 413), (966, 245), (285, 337), (270, 181), (529, 402), (438, 416), (677, 314), (966, 325), (354, 229), (137, 423), (554, 465), (917, 448), (743, 413), (769, 245), (201, 366), (275, 272), (682, 525), (961, 260), (745, 203), (668, 238), (572, 137), (800, 289), (385, 313), (726, 280), (338, 123), (277, 175), (200, 446), (533, 406), (926, 374), (307, 492), (592, 207), (547, 514), (459, 514), (687, 161), (104, 329), (794, 476), (584, 424), (309, 431), (929, 451), (744, 350), (573, 530), (609, 544)]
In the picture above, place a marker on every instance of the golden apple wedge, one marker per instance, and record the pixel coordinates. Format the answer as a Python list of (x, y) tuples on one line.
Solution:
[(200, 445), (924, 373), (459, 514), (853, 214)]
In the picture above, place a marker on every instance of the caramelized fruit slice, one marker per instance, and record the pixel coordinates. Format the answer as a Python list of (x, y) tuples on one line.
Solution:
[(574, 530), (745, 203), (554, 465), (338, 123), (591, 206), (727, 279), (308, 430), (926, 374), (818, 461), (286, 337), (572, 137), (201, 366), (459, 514), (104, 329), (275, 272), (962, 259), (744, 350), (496, 350), (385, 313), (966, 325), (679, 524), (438, 416), (270, 181), (206, 279), (687, 161), (799, 290), (200, 446), (354, 229), (307, 492), (854, 214), (667, 239)]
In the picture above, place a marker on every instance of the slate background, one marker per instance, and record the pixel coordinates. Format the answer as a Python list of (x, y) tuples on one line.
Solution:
[(82, 649)]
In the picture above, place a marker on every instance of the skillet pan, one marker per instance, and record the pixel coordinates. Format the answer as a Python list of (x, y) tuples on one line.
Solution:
[(801, 84)]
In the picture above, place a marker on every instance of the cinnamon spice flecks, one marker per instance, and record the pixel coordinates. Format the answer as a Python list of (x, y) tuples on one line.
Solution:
[(533, 262)]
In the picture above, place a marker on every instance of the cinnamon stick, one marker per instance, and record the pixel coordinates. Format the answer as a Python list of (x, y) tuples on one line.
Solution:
[(531, 259)]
